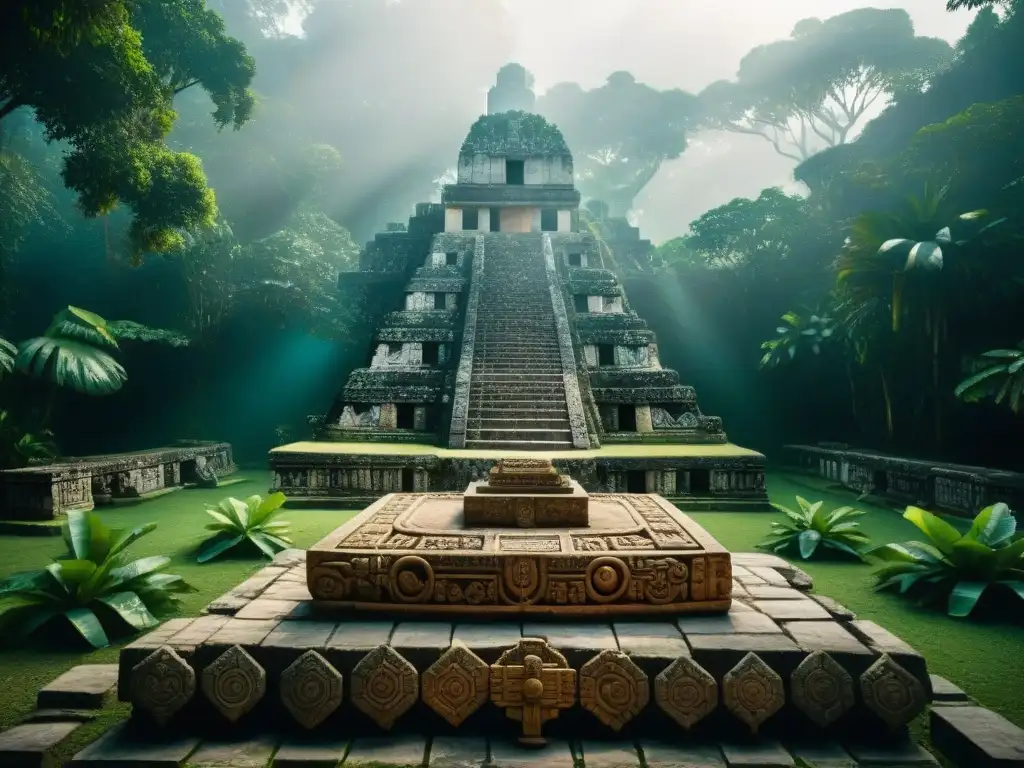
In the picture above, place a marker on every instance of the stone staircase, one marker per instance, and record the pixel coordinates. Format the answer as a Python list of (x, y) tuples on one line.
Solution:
[(517, 393)]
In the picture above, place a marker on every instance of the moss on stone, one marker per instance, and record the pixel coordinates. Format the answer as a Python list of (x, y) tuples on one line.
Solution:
[(515, 133)]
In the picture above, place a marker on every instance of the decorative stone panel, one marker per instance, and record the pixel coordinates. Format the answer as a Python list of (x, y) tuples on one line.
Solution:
[(384, 686), (234, 683), (162, 683), (613, 688), (643, 419), (686, 692), (753, 691), (892, 693), (389, 416), (822, 689), (457, 684), (311, 689)]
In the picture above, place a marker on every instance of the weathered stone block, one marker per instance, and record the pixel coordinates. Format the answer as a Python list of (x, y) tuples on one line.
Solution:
[(267, 609), (772, 592), (422, 642), (903, 754), (945, 692), (600, 754), (310, 753), (882, 640), (823, 756), (488, 640), (762, 754), (577, 642), (240, 752), (457, 752), (837, 610), (977, 737), (122, 745), (556, 754), (60, 716), (791, 609), (29, 745), (659, 755), (84, 687), (738, 620), (770, 575), (395, 752), (826, 636)]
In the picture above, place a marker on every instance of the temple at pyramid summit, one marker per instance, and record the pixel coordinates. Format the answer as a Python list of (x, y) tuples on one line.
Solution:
[(499, 329)]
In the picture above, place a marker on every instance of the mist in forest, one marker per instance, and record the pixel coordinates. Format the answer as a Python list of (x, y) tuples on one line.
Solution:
[(219, 196)]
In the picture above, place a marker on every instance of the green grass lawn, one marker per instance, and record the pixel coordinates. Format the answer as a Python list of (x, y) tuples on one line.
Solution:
[(983, 658)]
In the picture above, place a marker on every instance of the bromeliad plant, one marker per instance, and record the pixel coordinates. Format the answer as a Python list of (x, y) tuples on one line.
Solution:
[(959, 567), (93, 584), (811, 527), (999, 373), (250, 520)]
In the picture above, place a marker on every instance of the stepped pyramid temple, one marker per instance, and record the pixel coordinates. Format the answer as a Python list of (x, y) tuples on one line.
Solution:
[(509, 334)]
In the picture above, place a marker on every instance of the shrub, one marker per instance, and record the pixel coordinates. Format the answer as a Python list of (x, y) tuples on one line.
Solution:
[(810, 527), (250, 520), (92, 584), (957, 566)]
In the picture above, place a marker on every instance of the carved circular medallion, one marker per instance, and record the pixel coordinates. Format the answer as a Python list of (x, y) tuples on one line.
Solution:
[(456, 685), (822, 689), (234, 683), (327, 584), (162, 683), (686, 691), (384, 685), (753, 691), (892, 693), (613, 688), (606, 579), (311, 689), (412, 580)]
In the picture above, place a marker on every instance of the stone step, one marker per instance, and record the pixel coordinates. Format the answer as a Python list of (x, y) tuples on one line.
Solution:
[(528, 391), (499, 412), (524, 421), (535, 377), (526, 434), (518, 445)]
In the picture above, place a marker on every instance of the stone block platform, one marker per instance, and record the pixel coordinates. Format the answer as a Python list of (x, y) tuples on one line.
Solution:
[(779, 663), (723, 476)]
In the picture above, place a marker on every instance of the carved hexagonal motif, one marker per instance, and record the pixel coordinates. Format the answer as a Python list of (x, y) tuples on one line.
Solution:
[(384, 685), (311, 689), (234, 683), (686, 691), (892, 693), (753, 691), (162, 683), (822, 689), (613, 688), (457, 684)]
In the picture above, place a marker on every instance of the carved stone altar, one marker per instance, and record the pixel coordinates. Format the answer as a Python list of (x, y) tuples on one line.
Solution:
[(418, 553), (527, 493)]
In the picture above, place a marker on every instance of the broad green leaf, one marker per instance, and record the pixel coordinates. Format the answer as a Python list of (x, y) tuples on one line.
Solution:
[(841, 547), (74, 572), (804, 505), (125, 540), (79, 533), (940, 533), (141, 567), (1002, 354), (892, 553), (282, 541), (1010, 557), (88, 626), (1016, 586), (261, 541), (131, 609), (808, 541), (217, 547), (964, 597), (269, 506), (222, 519)]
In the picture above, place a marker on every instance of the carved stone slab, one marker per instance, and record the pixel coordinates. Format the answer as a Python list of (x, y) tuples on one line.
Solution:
[(613, 688), (486, 506), (686, 691), (414, 553), (457, 684), (311, 689), (384, 685), (234, 683), (822, 689), (753, 691), (532, 682), (162, 683), (892, 693)]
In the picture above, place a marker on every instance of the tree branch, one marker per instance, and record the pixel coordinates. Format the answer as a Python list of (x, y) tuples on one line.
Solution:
[(186, 86), (9, 107)]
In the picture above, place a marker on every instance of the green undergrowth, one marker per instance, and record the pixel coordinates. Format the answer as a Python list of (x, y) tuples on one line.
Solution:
[(979, 656)]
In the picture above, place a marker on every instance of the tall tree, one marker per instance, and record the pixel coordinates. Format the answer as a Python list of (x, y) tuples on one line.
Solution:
[(813, 89), (101, 77), (620, 134)]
